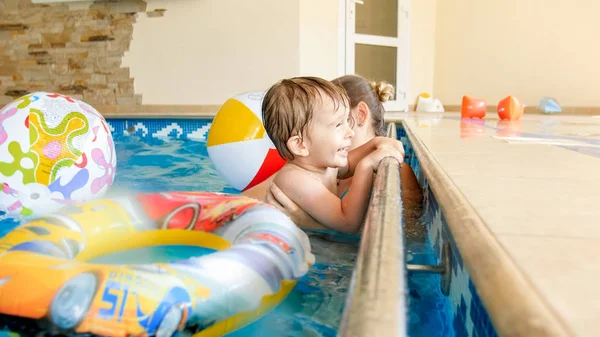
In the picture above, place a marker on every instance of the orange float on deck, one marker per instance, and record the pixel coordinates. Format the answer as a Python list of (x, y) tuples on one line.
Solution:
[(510, 108), (473, 107)]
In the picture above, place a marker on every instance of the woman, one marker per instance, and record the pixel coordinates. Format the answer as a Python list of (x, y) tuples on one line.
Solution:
[(366, 109)]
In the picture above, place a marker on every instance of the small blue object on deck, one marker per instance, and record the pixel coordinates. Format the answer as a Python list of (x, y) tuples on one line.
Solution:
[(549, 105)]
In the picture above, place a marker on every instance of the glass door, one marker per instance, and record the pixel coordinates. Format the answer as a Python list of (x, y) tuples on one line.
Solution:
[(378, 44)]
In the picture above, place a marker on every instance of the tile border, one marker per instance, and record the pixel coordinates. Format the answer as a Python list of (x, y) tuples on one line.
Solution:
[(515, 307), (164, 128)]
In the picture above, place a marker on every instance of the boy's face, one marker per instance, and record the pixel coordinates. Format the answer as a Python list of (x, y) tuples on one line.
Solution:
[(329, 134)]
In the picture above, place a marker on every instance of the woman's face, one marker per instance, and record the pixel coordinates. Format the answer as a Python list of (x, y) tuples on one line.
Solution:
[(364, 133)]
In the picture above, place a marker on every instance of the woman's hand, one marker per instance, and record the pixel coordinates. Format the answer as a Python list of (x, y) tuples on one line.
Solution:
[(277, 198)]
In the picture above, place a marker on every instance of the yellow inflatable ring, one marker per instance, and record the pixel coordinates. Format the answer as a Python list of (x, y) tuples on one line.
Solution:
[(46, 282)]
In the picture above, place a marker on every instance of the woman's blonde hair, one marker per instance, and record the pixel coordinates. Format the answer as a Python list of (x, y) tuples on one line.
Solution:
[(374, 94)]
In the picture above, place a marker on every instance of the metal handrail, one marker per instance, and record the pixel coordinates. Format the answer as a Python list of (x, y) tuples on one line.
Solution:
[(376, 302)]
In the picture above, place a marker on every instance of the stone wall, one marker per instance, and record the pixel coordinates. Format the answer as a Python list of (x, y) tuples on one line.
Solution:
[(69, 49)]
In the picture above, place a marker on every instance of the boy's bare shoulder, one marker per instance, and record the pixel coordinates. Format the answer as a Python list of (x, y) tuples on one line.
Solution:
[(291, 177), (289, 172)]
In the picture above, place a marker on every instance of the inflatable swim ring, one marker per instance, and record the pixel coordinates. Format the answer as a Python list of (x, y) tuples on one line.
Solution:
[(46, 283)]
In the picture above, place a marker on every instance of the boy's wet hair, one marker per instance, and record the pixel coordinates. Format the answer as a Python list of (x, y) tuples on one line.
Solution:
[(288, 107)]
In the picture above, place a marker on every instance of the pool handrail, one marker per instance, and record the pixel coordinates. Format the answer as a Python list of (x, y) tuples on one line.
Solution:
[(376, 301)]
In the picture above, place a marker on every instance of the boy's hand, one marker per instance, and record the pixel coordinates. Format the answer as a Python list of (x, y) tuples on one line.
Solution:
[(359, 154), (376, 156), (395, 144)]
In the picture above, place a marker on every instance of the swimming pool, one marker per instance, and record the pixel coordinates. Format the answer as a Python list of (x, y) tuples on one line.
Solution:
[(149, 161), (315, 306)]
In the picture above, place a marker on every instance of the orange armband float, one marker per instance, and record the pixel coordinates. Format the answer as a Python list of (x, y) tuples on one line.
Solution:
[(473, 107)]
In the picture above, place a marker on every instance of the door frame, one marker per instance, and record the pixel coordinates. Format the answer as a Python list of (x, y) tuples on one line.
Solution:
[(347, 39)]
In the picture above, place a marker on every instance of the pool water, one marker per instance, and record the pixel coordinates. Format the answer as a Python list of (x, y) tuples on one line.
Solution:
[(315, 306)]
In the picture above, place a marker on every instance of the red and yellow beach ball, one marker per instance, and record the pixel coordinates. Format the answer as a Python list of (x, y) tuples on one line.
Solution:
[(238, 144)]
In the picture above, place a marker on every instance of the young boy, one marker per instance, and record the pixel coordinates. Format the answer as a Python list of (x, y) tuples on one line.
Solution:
[(307, 120)]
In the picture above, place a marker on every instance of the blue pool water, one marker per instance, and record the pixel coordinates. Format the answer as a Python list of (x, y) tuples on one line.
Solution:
[(315, 305)]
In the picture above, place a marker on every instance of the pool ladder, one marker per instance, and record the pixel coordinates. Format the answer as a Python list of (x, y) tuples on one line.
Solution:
[(376, 303)]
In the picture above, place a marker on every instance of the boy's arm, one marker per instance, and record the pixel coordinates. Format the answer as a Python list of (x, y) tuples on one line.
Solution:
[(356, 155), (314, 198)]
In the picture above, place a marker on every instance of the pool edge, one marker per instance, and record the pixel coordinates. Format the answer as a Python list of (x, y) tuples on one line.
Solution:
[(488, 264)]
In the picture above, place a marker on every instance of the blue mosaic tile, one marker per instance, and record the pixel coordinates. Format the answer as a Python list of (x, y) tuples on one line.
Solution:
[(459, 320), (409, 155), (190, 129), (470, 316), (117, 126)]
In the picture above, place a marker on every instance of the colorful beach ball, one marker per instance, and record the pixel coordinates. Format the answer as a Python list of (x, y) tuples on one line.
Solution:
[(238, 144), (54, 151)]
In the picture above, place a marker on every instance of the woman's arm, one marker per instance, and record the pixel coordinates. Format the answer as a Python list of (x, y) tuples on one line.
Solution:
[(277, 198), (314, 198), (346, 215), (411, 196)]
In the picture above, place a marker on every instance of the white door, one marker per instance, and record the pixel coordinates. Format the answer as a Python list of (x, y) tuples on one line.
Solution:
[(377, 44)]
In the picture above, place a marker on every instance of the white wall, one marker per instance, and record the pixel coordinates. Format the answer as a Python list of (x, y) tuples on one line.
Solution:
[(319, 38), (422, 48), (530, 49), (204, 51)]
